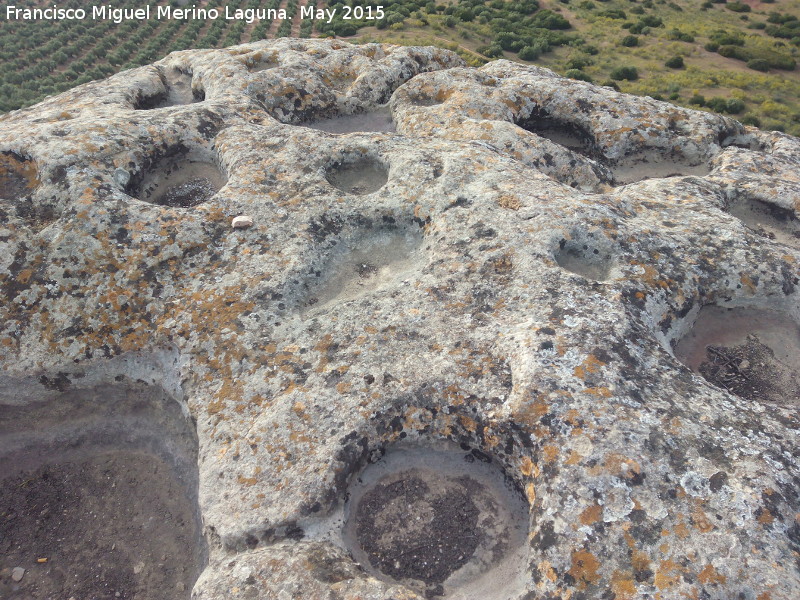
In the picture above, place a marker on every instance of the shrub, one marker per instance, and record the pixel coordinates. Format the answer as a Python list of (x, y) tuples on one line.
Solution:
[(612, 13), (676, 62), (679, 36), (758, 64), (491, 51), (739, 7), (529, 53), (717, 104), (547, 19), (450, 21), (587, 5), (612, 84), (734, 106), (711, 46), (578, 74), (674, 96), (629, 41), (651, 21), (592, 50), (627, 73), (751, 120), (698, 100)]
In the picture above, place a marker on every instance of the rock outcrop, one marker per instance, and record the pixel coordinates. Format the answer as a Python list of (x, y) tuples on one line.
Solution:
[(593, 294)]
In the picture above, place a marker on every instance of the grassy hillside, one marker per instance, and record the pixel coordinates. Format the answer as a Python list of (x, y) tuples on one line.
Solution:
[(737, 57)]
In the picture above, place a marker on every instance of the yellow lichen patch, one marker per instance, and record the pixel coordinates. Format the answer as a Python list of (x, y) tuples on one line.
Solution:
[(13, 171), (584, 568), (600, 392), (546, 569), (248, 481), (747, 282), (215, 406), (668, 574), (765, 516), (622, 585), (526, 466), (550, 453), (509, 202), (640, 561), (589, 366), (469, 424), (681, 530), (530, 493), (591, 515), (700, 520), (573, 459), (709, 575)]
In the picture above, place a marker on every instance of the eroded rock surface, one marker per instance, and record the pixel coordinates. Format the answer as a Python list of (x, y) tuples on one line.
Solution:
[(545, 271)]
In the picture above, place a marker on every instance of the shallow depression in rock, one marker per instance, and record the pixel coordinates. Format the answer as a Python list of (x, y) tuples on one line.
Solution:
[(99, 497), (440, 521), (180, 182), (587, 255), (358, 177), (753, 353), (632, 172), (362, 264), (374, 121)]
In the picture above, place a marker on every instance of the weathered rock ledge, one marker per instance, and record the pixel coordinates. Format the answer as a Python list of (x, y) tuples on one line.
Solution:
[(515, 274)]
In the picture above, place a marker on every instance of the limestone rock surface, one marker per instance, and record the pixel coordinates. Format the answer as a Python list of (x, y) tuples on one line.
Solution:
[(510, 271)]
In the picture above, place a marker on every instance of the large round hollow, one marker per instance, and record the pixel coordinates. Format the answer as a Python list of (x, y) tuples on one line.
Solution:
[(768, 220), (98, 493), (441, 521), (751, 352), (180, 182), (379, 120), (569, 135), (360, 177)]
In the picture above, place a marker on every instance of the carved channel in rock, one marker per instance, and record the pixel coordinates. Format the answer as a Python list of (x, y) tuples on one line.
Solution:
[(180, 180), (588, 254), (751, 352), (359, 176), (379, 120), (768, 220), (98, 494), (439, 521), (362, 264), (570, 135), (179, 90)]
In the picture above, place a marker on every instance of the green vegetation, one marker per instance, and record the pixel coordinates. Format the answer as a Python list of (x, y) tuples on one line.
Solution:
[(717, 54)]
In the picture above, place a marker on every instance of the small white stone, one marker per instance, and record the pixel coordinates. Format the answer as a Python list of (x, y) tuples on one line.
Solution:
[(17, 573), (242, 222)]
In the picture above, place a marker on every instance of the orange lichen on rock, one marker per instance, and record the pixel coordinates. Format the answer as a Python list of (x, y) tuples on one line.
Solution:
[(584, 568)]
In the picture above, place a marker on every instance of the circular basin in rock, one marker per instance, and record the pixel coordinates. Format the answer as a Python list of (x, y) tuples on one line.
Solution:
[(99, 503), (181, 182), (440, 521), (358, 177), (751, 352)]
